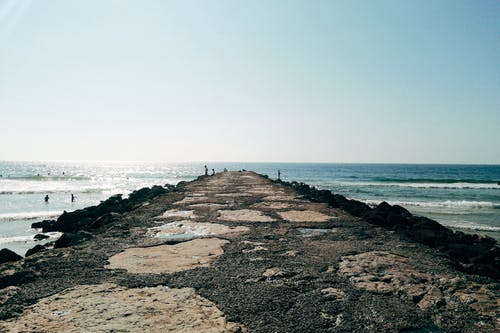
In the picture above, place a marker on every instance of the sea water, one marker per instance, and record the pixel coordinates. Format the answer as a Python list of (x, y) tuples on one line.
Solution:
[(466, 197)]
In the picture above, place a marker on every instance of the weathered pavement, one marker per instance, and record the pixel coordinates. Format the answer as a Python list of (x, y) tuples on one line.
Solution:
[(236, 253)]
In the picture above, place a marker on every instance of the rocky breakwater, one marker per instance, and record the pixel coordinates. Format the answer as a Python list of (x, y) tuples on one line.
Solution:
[(471, 253), (235, 253), (78, 226)]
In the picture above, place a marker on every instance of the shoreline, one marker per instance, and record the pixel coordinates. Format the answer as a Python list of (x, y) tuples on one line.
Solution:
[(467, 227), (353, 206), (270, 256), (367, 211)]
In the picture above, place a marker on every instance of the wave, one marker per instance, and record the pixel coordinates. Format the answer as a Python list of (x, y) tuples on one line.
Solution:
[(11, 187), (464, 204), (455, 185), (436, 180), (29, 215), (16, 239), (441, 204), (9, 190), (45, 178), (27, 238), (474, 226)]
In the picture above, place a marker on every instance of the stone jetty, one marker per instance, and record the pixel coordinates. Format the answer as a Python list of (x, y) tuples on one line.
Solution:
[(237, 252)]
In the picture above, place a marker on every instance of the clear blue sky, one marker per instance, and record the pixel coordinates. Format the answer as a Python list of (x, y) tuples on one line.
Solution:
[(298, 81)]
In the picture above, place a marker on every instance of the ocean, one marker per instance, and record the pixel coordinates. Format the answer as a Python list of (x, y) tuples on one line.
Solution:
[(464, 197)]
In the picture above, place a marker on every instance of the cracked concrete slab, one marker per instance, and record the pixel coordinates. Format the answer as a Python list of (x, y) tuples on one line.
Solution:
[(190, 230), (112, 308), (244, 215), (169, 258)]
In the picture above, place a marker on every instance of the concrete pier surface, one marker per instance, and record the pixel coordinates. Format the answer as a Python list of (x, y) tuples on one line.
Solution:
[(237, 252)]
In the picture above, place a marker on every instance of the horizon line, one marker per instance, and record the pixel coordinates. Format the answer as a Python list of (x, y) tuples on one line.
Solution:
[(242, 162)]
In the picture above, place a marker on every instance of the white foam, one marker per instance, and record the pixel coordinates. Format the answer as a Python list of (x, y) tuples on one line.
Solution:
[(27, 187), (27, 238), (29, 215), (457, 185), (441, 204), (473, 226), (15, 239)]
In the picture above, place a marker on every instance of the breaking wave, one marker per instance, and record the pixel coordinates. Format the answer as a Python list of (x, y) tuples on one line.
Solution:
[(442, 204), (27, 238), (436, 184), (29, 215), (474, 226)]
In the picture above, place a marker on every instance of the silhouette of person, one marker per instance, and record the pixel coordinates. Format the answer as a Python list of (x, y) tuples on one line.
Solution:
[(213, 172), (72, 198), (206, 171), (47, 198), (279, 174)]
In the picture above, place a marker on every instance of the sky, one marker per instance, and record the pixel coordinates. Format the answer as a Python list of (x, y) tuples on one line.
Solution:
[(256, 81)]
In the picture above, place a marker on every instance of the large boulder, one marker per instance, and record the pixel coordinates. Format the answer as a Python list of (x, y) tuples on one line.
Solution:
[(387, 216), (7, 255), (103, 220), (69, 239), (45, 225), (35, 249), (39, 237)]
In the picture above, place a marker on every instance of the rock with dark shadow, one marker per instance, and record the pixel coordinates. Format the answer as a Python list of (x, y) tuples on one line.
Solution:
[(70, 239), (7, 255), (37, 248), (39, 237), (45, 225), (104, 220)]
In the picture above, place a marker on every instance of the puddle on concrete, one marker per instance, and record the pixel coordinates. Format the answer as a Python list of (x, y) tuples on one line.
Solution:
[(275, 205), (238, 194), (191, 199), (310, 232), (304, 216), (188, 214), (210, 205)]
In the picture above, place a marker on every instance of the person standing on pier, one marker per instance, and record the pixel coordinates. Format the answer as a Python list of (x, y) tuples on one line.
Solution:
[(206, 171), (72, 198), (46, 198), (279, 174)]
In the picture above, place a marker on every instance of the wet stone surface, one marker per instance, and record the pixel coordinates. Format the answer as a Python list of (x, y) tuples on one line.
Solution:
[(236, 252)]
